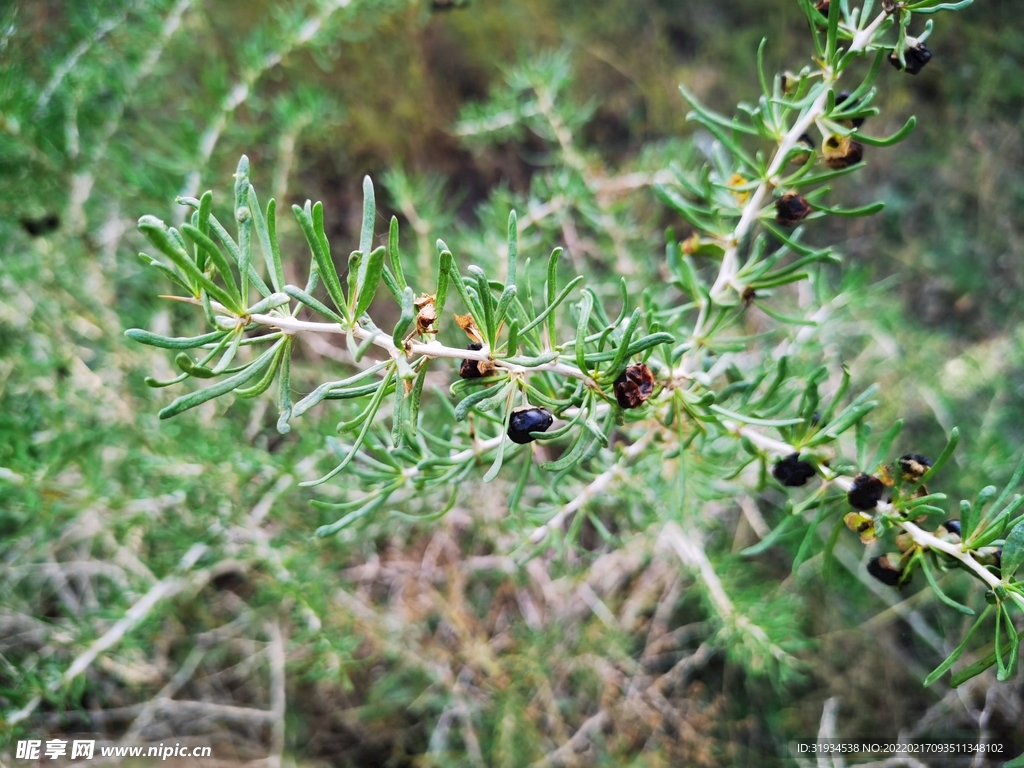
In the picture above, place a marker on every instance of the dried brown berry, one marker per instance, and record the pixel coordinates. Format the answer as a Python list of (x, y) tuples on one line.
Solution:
[(792, 472), (426, 315), (916, 56), (634, 386), (526, 420), (886, 568), (866, 492), (842, 151), (914, 466), (475, 369), (791, 209)]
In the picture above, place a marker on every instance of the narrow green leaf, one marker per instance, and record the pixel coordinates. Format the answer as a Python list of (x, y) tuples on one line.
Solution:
[(744, 419), (864, 210), (159, 235), (313, 303), (368, 419), (888, 141), (369, 212), (395, 254), (511, 347), (232, 248), (940, 670), (284, 396), (376, 502), (325, 267), (584, 439), (166, 271), (832, 34), (203, 223), (444, 267), (551, 293), (503, 304), (582, 322), (222, 387), (619, 361), (170, 342), (1013, 551), (513, 249), (456, 279), (265, 381), (500, 453), (934, 584), (552, 305), (947, 451), (398, 415), (374, 266), (487, 322), (267, 235), (243, 216), (467, 403), (416, 395), (213, 253), (407, 317)]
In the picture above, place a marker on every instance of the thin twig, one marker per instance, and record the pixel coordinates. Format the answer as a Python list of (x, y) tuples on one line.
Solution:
[(164, 588), (277, 694)]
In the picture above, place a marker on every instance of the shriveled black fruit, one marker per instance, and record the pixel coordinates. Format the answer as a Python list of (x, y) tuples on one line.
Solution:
[(866, 492), (916, 56), (792, 472), (634, 386), (913, 466), (526, 420), (791, 209), (886, 569), (475, 369)]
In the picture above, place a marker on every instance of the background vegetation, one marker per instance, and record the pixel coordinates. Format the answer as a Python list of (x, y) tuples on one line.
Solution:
[(427, 644)]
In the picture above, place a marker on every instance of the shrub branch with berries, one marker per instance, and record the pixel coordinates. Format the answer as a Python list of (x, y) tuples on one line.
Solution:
[(559, 387)]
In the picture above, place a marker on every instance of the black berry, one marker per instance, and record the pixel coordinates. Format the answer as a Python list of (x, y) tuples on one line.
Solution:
[(526, 420), (866, 492), (634, 386), (885, 570), (916, 56), (790, 209), (792, 472), (950, 527)]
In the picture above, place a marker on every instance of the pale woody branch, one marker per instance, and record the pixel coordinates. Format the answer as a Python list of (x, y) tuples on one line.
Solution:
[(431, 349), (752, 208)]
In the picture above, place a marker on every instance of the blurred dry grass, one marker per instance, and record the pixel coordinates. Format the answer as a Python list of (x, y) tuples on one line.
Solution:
[(428, 645)]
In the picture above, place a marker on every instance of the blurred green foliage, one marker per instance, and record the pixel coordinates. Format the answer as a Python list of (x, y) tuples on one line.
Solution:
[(380, 630)]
